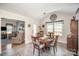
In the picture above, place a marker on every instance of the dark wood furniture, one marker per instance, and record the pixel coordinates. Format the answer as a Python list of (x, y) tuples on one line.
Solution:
[(72, 39)]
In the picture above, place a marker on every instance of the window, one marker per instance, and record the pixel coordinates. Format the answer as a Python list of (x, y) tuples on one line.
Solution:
[(56, 27), (9, 29), (49, 27)]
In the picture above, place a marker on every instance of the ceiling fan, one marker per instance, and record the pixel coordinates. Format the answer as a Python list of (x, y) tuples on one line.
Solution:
[(53, 17)]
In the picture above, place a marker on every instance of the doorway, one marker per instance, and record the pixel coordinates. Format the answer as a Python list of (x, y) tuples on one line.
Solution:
[(12, 33)]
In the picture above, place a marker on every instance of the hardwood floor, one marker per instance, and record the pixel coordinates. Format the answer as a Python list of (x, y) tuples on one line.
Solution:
[(27, 50)]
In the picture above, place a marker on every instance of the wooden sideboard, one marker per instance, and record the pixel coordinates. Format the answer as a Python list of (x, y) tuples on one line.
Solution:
[(72, 39)]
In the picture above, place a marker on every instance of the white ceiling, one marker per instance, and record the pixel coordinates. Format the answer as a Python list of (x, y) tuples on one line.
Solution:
[(36, 10)]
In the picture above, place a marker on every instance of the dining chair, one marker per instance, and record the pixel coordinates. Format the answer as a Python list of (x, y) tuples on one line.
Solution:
[(37, 45), (54, 44)]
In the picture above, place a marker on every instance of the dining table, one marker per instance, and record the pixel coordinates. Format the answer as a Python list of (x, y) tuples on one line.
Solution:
[(45, 41)]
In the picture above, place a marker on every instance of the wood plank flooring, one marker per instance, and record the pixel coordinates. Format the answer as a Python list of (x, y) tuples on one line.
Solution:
[(27, 50)]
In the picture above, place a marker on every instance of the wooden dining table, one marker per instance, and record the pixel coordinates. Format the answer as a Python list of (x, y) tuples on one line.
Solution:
[(45, 40)]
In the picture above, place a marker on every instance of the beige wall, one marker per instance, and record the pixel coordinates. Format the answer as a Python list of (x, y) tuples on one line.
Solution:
[(28, 31), (66, 28)]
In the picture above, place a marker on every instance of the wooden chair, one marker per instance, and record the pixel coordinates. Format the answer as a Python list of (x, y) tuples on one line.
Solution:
[(54, 44), (37, 45)]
